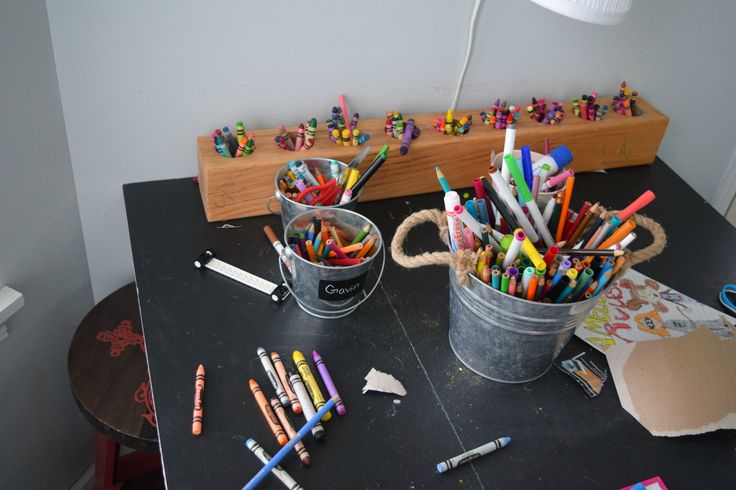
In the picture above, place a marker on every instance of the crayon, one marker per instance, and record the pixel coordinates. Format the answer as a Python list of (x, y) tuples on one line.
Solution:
[(309, 382), (307, 407), (304, 456), (253, 483), (472, 454), (278, 364), (277, 471), (299, 138), (328, 382), (271, 372), (197, 416), (311, 132), (271, 420)]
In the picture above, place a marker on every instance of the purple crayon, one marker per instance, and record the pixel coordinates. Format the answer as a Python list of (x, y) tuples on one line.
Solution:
[(329, 384)]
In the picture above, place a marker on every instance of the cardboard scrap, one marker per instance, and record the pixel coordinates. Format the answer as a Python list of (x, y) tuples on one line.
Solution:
[(378, 381), (678, 386)]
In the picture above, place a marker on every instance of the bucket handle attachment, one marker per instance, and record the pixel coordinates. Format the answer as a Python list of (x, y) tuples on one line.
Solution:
[(463, 261), (352, 307), (270, 200)]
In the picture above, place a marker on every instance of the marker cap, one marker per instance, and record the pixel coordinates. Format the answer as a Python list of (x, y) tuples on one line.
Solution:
[(562, 156)]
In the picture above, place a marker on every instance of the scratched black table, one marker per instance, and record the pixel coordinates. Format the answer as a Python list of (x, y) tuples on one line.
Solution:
[(560, 439)]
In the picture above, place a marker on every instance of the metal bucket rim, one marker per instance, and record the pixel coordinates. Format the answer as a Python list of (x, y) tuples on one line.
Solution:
[(282, 171), (368, 260)]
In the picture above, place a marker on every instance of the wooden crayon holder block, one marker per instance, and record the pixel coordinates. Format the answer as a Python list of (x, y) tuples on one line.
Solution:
[(240, 187)]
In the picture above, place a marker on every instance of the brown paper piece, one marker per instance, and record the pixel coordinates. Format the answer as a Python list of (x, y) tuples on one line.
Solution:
[(678, 386)]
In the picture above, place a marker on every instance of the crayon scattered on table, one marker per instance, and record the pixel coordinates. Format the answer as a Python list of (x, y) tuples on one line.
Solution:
[(307, 407), (329, 384), (310, 383), (278, 409), (468, 456), (276, 459), (278, 364), (267, 411), (277, 471), (197, 416), (500, 115), (273, 377)]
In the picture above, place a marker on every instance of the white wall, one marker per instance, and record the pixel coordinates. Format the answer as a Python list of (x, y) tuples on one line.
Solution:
[(44, 440), (139, 80)]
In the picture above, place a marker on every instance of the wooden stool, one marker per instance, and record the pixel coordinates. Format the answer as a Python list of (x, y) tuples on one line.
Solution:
[(109, 380)]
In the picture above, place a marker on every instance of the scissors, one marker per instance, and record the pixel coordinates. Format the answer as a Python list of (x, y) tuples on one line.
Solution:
[(725, 300)]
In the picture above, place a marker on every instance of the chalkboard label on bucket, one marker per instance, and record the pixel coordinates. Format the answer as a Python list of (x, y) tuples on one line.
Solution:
[(339, 290)]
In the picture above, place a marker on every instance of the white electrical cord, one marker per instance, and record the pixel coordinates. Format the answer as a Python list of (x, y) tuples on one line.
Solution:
[(471, 31)]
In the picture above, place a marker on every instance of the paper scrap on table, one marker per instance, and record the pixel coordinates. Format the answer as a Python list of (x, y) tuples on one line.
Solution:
[(589, 376), (378, 381), (637, 308), (678, 386)]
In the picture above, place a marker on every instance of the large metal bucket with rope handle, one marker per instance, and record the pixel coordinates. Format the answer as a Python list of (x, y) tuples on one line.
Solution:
[(501, 337)]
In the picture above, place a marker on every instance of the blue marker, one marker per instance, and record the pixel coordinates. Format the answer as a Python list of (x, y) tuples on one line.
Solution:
[(526, 165), (253, 483)]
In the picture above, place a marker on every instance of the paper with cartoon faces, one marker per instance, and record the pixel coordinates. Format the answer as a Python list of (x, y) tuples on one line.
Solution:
[(637, 308)]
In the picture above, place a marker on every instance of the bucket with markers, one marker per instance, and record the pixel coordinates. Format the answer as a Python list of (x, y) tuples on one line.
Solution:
[(310, 184), (335, 261), (518, 291)]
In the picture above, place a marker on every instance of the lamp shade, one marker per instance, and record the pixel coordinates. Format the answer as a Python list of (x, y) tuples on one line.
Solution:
[(606, 12)]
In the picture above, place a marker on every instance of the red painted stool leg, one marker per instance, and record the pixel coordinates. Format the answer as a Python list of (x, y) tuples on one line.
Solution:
[(106, 459), (136, 464)]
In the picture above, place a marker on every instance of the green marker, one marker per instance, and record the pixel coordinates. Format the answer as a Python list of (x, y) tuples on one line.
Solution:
[(526, 196), (505, 282)]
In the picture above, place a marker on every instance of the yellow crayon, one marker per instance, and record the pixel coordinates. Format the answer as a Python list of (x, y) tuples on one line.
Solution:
[(356, 136), (310, 383), (337, 135), (346, 137), (448, 122)]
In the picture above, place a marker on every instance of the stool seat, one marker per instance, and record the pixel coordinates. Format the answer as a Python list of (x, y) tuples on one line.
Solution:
[(108, 371)]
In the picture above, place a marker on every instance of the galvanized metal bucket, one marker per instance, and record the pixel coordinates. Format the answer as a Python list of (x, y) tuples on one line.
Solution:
[(289, 208), (332, 292), (506, 338), (501, 337)]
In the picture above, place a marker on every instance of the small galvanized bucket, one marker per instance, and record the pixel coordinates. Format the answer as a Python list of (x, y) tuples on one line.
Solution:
[(289, 208), (332, 292), (500, 337)]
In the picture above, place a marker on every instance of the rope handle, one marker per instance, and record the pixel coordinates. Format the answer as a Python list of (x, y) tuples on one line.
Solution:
[(463, 261)]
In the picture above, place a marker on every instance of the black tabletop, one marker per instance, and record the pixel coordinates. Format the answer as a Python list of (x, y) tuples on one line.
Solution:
[(560, 439)]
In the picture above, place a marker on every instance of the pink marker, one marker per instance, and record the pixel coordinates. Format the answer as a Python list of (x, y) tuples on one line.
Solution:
[(469, 237), (558, 179), (635, 206), (344, 108)]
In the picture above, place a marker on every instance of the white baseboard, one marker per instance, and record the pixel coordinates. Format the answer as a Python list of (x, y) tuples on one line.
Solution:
[(86, 481), (726, 189)]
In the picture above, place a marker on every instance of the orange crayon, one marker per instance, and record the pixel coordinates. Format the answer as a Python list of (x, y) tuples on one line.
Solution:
[(267, 412), (366, 248), (352, 248), (304, 456), (198, 390), (278, 364)]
